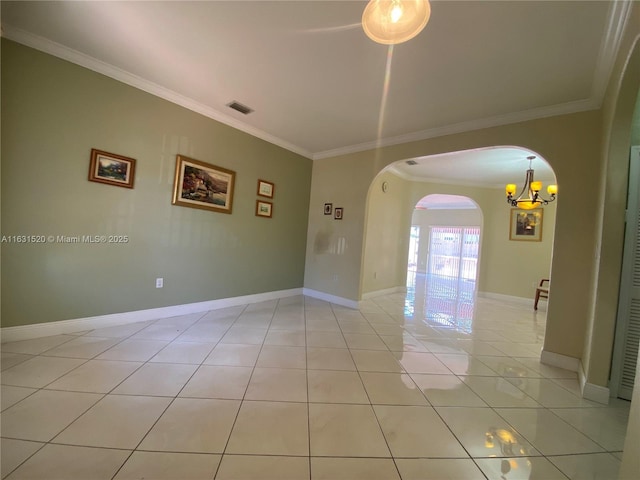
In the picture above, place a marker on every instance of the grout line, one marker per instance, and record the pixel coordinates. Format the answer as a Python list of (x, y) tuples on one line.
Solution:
[(226, 445), (371, 403), (306, 359)]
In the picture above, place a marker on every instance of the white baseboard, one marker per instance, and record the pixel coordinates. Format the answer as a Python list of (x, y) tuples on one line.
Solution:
[(386, 291), (506, 298), (592, 392), (26, 332), (344, 302), (561, 361)]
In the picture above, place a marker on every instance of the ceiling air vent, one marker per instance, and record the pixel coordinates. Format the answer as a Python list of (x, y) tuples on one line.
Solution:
[(411, 162), (240, 107)]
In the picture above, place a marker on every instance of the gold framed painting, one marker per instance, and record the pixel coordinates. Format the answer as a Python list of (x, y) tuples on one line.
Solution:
[(526, 225), (112, 169), (202, 185)]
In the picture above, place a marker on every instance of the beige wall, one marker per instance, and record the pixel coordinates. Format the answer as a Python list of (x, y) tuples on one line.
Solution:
[(386, 234), (53, 114)]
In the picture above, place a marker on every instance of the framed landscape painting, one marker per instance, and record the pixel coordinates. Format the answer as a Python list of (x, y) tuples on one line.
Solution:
[(264, 209), (201, 185), (526, 225), (111, 169), (265, 189)]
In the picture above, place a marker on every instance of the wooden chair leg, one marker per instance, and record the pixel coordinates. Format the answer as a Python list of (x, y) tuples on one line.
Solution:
[(535, 303)]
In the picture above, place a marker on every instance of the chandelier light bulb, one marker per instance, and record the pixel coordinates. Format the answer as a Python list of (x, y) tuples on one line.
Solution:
[(395, 21), (396, 12)]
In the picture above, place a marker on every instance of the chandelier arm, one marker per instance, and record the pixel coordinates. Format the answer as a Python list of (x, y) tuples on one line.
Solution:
[(527, 195), (526, 189)]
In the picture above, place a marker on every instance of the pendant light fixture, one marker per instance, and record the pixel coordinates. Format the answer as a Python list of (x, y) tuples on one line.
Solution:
[(395, 21), (529, 197)]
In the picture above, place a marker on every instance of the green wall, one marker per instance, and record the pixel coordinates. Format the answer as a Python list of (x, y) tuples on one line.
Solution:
[(53, 114)]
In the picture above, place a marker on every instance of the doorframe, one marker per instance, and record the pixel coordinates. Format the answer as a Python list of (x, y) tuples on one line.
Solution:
[(624, 296)]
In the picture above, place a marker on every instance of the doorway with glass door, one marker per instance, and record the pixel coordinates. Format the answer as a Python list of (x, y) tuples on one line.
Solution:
[(445, 290)]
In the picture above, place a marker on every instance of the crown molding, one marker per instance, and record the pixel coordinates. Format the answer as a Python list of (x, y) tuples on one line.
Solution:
[(57, 50), (495, 121)]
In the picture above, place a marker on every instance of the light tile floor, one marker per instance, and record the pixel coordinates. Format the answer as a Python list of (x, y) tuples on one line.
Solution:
[(303, 389)]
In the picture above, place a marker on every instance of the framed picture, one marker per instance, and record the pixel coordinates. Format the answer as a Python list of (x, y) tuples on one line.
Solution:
[(264, 209), (265, 189), (328, 208), (111, 169), (337, 213), (526, 225), (201, 185)]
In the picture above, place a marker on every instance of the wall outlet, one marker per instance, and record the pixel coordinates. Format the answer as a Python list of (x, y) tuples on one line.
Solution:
[(159, 282)]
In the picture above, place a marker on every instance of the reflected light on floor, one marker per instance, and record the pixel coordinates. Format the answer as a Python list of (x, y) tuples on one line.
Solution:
[(440, 300)]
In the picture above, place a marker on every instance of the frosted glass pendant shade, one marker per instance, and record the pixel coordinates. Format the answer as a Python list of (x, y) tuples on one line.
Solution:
[(395, 21)]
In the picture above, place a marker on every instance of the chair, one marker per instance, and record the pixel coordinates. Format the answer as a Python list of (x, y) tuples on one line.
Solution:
[(542, 291)]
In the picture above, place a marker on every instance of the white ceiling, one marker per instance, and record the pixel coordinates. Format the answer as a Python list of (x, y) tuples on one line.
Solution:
[(486, 167), (319, 86)]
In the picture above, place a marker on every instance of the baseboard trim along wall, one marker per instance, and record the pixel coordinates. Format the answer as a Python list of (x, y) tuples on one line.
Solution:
[(592, 392), (507, 298), (561, 361), (327, 297), (386, 291), (26, 332)]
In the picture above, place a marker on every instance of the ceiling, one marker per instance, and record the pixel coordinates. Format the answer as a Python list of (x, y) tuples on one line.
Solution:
[(319, 87)]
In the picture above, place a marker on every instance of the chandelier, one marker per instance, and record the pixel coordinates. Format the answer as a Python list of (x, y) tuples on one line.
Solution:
[(395, 21), (529, 196)]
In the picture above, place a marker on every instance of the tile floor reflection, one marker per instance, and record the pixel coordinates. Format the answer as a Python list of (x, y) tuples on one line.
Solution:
[(403, 388)]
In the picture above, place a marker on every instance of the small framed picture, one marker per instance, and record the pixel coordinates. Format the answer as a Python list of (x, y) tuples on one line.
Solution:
[(264, 209), (111, 169), (202, 185), (265, 189), (337, 215), (526, 225), (328, 208)]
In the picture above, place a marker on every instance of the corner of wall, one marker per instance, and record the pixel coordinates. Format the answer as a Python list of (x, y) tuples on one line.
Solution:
[(592, 392)]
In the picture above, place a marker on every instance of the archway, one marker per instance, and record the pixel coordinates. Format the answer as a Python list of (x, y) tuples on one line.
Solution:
[(478, 174)]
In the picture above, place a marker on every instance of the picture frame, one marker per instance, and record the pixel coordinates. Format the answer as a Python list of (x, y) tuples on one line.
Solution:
[(201, 185), (265, 189), (264, 209), (337, 213), (526, 225), (328, 208), (112, 169)]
